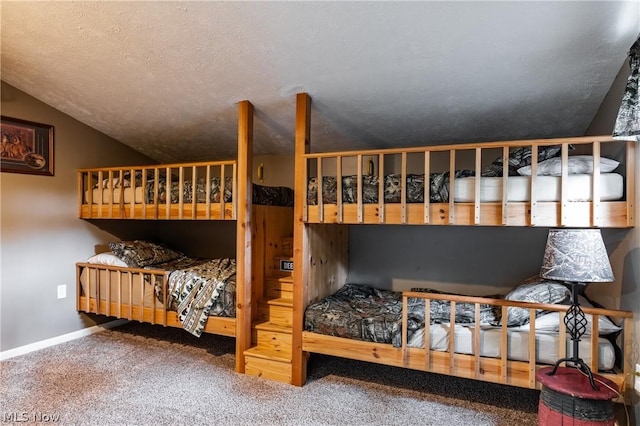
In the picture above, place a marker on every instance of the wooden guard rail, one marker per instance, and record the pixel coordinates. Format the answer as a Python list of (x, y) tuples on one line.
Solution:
[(595, 213), (134, 297), (144, 201), (132, 287), (503, 370)]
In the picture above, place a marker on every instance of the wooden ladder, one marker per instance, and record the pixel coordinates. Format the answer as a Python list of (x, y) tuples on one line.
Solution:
[(271, 333)]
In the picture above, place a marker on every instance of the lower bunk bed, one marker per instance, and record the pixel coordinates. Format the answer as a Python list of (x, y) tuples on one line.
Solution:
[(495, 339), (198, 295)]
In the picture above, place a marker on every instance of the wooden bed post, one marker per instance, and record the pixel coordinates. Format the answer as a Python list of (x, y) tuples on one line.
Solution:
[(300, 245), (243, 232)]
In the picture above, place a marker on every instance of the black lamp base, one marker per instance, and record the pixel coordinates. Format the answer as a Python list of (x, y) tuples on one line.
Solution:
[(576, 324)]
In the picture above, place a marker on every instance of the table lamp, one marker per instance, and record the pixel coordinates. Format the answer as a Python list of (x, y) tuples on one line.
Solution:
[(576, 257)]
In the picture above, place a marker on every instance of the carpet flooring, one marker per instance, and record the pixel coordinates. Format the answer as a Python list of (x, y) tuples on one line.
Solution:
[(140, 374)]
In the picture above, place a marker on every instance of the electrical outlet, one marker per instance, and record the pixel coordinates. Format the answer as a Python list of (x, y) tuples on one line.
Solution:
[(636, 384), (62, 291)]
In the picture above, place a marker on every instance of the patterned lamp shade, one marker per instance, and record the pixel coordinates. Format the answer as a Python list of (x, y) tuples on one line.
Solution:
[(576, 255)]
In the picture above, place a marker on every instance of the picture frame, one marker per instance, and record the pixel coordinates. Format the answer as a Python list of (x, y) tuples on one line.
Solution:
[(26, 147)]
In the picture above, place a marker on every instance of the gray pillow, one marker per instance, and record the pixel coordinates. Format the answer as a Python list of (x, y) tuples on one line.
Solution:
[(535, 291), (139, 253)]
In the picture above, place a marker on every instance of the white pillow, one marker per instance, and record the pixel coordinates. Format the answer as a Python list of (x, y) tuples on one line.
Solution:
[(106, 258), (578, 164), (551, 322)]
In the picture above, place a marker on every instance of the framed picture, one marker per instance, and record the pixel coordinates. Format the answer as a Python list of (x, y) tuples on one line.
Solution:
[(27, 147)]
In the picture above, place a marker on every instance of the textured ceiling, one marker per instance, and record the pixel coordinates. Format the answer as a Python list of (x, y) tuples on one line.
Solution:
[(165, 77)]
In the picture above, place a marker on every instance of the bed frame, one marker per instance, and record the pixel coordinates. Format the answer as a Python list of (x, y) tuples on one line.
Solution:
[(321, 250), (258, 230)]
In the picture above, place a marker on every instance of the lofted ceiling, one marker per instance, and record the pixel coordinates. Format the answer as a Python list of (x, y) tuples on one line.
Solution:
[(165, 77)]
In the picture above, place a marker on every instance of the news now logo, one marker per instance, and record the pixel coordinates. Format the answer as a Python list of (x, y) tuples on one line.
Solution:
[(25, 416)]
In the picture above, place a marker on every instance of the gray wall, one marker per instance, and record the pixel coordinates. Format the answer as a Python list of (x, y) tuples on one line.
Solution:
[(41, 236)]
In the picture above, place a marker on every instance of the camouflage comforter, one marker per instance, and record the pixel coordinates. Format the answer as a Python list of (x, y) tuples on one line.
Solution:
[(438, 183), (362, 312)]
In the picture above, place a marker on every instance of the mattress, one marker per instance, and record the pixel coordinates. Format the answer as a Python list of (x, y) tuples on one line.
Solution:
[(547, 344), (579, 188)]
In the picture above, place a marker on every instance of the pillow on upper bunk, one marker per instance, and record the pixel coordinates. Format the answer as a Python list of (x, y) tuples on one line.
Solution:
[(139, 253), (107, 258), (535, 290), (577, 164), (521, 157)]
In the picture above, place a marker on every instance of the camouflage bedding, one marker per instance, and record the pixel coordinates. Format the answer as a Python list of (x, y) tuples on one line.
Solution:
[(362, 312), (438, 183), (263, 195), (199, 288)]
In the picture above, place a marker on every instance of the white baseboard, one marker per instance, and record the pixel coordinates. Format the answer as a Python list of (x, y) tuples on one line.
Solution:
[(22, 350)]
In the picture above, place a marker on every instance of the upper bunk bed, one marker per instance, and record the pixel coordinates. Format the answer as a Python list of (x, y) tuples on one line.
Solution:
[(141, 289), (470, 184)]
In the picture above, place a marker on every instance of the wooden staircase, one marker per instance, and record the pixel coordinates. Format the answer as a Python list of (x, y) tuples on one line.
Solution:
[(271, 332)]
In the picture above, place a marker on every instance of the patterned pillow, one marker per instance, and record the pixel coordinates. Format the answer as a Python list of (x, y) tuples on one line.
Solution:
[(521, 157), (535, 290), (139, 253)]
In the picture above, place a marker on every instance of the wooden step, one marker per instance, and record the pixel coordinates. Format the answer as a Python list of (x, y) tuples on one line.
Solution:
[(274, 337), (277, 287), (267, 363), (266, 353), (276, 311), (269, 326)]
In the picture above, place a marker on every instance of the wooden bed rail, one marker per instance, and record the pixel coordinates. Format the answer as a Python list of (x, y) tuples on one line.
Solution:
[(503, 370), (131, 300), (563, 212), (130, 293), (164, 191)]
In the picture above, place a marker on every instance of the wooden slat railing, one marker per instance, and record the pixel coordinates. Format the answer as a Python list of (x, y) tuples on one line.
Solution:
[(453, 364), (102, 194), (504, 212)]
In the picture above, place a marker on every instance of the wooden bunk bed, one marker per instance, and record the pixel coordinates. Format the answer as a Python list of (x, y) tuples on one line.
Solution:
[(215, 190), (321, 246)]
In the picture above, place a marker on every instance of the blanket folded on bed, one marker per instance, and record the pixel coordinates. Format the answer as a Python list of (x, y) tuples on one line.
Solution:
[(197, 289)]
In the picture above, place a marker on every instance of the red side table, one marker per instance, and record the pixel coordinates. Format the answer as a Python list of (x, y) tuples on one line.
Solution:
[(567, 398)]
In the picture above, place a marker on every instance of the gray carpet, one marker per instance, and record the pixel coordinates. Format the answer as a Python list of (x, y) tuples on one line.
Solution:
[(140, 374)]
